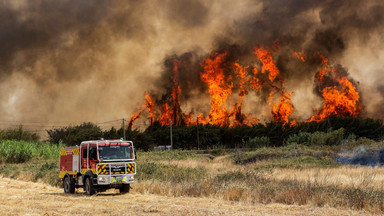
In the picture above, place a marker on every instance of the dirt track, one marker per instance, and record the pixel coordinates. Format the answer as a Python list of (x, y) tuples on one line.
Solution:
[(28, 198)]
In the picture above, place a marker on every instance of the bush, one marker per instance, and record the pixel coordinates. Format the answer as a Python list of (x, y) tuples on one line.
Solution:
[(303, 138), (232, 176), (18, 134), (74, 135), (284, 152), (257, 142), (317, 138), (21, 151), (331, 138)]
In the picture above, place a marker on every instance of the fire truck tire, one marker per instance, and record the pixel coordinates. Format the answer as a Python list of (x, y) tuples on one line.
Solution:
[(125, 188), (89, 189), (69, 185)]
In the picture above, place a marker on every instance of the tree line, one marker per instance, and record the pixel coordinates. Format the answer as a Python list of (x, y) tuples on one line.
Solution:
[(208, 136)]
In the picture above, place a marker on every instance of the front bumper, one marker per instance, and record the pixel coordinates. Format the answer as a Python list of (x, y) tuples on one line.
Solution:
[(115, 179)]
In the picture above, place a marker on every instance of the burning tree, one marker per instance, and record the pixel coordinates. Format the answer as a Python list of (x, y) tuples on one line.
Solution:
[(224, 76), (339, 93)]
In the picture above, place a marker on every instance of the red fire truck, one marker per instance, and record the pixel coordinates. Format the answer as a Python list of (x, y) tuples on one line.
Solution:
[(98, 165)]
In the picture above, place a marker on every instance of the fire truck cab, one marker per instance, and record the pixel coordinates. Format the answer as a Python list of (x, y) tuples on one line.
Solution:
[(98, 165)]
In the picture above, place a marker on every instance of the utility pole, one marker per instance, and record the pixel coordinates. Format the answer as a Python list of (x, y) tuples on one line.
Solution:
[(171, 134), (198, 141), (123, 127)]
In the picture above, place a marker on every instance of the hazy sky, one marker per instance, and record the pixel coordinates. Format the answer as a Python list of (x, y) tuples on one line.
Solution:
[(71, 61)]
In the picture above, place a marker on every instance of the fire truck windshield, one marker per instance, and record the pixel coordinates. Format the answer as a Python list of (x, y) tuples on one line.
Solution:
[(115, 152)]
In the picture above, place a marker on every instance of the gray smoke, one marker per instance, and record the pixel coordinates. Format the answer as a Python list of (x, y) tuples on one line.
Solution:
[(363, 156), (92, 60)]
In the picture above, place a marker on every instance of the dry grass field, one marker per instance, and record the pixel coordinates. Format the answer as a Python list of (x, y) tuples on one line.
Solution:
[(292, 180), (19, 197), (342, 177), (295, 181), (346, 176)]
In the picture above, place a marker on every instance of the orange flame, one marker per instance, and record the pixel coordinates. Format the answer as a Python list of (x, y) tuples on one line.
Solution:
[(133, 118), (268, 65), (254, 81), (340, 95), (241, 72), (150, 105), (283, 110), (341, 100), (218, 86), (166, 114), (301, 55), (201, 119), (325, 69), (240, 118), (176, 91)]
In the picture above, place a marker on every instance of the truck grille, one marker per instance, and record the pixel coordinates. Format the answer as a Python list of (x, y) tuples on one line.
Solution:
[(103, 169)]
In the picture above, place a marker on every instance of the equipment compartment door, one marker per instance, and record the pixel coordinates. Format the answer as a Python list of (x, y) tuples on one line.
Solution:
[(75, 163)]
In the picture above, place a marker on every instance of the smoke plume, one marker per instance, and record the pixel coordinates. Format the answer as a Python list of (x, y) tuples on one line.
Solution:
[(92, 60), (362, 156)]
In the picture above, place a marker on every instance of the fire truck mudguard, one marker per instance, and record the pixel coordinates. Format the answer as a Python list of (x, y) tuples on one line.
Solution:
[(98, 165)]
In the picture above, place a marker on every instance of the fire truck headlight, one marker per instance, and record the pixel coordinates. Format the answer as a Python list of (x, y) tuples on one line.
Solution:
[(102, 179)]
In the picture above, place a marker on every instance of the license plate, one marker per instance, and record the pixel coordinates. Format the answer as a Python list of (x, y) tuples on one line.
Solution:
[(117, 169)]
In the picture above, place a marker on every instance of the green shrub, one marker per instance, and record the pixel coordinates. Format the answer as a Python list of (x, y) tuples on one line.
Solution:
[(331, 138), (317, 138), (12, 151), (303, 138), (74, 135), (284, 152), (49, 171), (257, 142), (36, 170), (18, 134), (231, 176)]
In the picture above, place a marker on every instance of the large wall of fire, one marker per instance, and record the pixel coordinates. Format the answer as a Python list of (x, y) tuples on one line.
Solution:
[(339, 94)]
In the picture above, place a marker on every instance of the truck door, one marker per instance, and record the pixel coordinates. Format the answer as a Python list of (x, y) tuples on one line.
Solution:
[(84, 158), (92, 159)]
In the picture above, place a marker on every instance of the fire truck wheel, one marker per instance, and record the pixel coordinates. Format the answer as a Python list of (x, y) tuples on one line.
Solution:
[(69, 186), (89, 190), (124, 189)]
